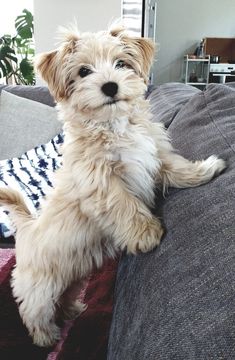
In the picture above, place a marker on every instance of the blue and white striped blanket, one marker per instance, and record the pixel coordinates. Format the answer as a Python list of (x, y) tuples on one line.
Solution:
[(31, 175)]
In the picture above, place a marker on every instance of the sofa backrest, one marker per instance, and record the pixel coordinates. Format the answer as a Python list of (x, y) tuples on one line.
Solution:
[(36, 93)]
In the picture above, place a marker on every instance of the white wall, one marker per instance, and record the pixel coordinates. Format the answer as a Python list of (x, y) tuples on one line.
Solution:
[(180, 26), (90, 15), (11, 10)]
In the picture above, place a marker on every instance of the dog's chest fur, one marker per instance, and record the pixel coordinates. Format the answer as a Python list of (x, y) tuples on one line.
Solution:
[(136, 150), (123, 149)]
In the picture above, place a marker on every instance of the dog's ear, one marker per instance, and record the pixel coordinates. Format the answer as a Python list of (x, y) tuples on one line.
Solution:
[(141, 49), (68, 38), (48, 66), (146, 49), (116, 30), (44, 63), (52, 66)]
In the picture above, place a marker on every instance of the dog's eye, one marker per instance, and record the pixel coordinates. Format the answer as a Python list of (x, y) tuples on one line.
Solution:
[(84, 71), (120, 64)]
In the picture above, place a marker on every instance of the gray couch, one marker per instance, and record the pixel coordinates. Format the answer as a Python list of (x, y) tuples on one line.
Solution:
[(178, 301)]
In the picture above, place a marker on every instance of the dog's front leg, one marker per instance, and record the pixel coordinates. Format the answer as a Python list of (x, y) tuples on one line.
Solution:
[(124, 218), (179, 172)]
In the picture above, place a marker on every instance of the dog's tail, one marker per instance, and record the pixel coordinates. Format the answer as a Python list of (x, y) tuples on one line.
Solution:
[(15, 203)]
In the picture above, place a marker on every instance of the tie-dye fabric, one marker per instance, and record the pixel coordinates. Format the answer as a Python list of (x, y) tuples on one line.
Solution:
[(32, 175)]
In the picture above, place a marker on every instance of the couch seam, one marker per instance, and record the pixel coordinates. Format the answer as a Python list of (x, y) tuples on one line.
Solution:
[(216, 126)]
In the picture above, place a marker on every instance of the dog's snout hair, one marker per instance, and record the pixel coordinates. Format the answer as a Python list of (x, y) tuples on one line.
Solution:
[(113, 157)]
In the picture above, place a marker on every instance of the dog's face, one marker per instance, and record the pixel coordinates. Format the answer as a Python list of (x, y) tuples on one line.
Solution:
[(100, 71)]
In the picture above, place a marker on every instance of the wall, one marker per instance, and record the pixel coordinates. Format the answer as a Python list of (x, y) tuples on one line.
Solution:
[(11, 10), (180, 26), (90, 15)]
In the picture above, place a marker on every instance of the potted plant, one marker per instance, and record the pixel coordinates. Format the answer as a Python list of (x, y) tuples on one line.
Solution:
[(16, 52)]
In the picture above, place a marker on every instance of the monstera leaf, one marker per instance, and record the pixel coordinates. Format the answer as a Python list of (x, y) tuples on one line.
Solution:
[(27, 71), (16, 52), (24, 25), (7, 56)]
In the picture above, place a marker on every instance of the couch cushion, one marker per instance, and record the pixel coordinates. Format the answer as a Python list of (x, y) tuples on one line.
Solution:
[(36, 93), (177, 302), (166, 100), (24, 124), (196, 127)]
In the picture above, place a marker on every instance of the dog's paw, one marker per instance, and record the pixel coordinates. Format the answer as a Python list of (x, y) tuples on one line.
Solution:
[(74, 310), (150, 236), (47, 336)]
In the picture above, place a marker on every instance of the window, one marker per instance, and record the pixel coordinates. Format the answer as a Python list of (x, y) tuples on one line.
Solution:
[(132, 15)]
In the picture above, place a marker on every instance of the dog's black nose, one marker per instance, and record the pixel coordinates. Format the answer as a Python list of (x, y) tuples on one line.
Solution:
[(110, 88)]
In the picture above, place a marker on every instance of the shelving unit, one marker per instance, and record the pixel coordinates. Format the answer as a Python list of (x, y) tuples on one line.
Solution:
[(197, 68)]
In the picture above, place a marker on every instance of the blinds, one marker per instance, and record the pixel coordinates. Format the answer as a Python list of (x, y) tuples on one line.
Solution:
[(132, 16)]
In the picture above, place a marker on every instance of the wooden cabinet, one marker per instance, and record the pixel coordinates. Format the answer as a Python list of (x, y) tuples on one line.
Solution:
[(222, 47)]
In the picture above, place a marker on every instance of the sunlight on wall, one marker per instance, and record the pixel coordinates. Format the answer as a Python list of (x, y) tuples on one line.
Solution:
[(12, 8)]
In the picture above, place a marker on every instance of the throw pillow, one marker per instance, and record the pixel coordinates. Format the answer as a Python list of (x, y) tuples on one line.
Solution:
[(31, 175), (24, 124)]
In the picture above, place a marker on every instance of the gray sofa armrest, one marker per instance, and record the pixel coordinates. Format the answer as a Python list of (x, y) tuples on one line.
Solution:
[(166, 100), (177, 302)]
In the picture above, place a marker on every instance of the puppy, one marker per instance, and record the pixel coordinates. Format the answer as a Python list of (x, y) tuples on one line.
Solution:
[(113, 157)]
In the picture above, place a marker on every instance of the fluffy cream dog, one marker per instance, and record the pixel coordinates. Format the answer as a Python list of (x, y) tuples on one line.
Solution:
[(113, 156)]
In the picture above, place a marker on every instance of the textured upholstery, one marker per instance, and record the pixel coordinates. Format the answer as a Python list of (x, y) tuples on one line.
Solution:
[(178, 301), (167, 99)]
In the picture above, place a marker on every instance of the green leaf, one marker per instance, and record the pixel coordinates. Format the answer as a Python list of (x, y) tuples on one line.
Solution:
[(7, 52), (5, 68), (24, 25), (19, 46), (6, 40), (7, 56), (31, 51), (27, 71)]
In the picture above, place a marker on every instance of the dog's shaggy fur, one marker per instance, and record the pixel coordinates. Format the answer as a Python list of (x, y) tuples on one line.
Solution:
[(113, 157)]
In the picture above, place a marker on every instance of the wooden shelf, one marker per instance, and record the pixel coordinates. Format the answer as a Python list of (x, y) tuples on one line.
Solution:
[(197, 60), (201, 68), (196, 83)]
